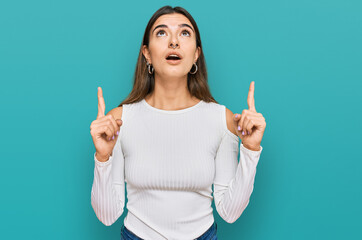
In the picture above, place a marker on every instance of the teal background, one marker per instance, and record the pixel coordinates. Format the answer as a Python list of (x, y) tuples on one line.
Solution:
[(305, 59)]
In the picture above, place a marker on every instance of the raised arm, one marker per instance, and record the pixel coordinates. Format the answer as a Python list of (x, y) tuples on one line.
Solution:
[(108, 194), (234, 182)]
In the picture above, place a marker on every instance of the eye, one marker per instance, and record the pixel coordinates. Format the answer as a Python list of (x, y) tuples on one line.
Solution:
[(161, 31), (186, 31)]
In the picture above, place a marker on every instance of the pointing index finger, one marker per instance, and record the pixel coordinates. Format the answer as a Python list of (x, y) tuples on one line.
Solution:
[(251, 100), (101, 104)]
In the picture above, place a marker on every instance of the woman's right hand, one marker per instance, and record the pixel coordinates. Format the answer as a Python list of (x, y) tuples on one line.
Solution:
[(104, 130)]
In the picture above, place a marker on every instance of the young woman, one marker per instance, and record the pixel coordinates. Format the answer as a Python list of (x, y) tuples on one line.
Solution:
[(171, 141)]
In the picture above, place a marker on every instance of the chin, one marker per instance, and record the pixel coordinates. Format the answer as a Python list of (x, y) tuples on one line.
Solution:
[(175, 73)]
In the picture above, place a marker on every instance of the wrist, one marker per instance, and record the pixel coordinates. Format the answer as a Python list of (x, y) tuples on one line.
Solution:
[(102, 158), (252, 148)]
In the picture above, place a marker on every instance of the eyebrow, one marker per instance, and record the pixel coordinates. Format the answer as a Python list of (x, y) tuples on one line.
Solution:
[(180, 25)]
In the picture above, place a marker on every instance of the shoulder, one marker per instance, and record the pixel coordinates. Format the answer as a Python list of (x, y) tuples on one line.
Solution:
[(116, 112), (230, 121)]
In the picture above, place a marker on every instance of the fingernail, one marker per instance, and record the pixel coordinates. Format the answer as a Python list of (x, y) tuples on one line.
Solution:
[(237, 115), (117, 133), (109, 139), (243, 133), (239, 128), (248, 133), (112, 137)]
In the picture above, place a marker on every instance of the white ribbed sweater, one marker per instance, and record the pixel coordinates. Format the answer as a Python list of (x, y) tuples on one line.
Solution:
[(170, 160)]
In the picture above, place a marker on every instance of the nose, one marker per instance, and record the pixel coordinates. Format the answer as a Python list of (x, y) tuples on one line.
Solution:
[(174, 41)]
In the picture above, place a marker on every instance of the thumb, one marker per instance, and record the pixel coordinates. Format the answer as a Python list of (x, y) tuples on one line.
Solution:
[(119, 122)]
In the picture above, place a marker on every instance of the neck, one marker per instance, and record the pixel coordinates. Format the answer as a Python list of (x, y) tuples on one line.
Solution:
[(171, 93)]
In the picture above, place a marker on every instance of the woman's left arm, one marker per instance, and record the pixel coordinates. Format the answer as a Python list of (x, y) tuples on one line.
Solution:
[(234, 182)]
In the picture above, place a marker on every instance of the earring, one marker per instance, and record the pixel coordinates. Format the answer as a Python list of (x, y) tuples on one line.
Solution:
[(195, 69), (149, 68)]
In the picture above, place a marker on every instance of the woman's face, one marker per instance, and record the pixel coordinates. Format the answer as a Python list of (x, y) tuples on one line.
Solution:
[(177, 31)]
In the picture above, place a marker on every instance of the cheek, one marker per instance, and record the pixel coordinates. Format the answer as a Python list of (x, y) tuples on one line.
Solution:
[(189, 48), (156, 53)]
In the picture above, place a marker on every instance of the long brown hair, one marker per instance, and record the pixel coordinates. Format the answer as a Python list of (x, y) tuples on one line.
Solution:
[(144, 83)]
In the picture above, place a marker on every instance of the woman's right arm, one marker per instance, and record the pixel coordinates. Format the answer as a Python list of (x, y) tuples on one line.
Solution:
[(108, 195)]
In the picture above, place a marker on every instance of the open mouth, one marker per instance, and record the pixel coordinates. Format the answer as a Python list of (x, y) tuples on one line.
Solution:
[(173, 57)]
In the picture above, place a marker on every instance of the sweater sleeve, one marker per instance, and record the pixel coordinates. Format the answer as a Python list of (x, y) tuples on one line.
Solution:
[(234, 182), (108, 193)]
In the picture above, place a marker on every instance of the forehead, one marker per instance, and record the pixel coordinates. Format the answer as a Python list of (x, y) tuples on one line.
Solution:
[(172, 20)]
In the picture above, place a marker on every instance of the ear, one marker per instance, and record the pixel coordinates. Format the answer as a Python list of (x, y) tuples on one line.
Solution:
[(197, 53), (146, 53)]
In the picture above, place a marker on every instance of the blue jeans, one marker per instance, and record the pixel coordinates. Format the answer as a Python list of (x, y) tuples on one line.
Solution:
[(210, 234)]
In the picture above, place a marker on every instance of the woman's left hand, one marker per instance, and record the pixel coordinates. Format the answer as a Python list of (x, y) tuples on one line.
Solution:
[(250, 125)]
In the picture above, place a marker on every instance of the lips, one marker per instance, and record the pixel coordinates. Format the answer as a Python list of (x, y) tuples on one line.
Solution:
[(173, 56)]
